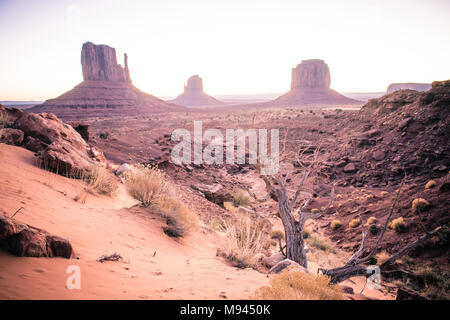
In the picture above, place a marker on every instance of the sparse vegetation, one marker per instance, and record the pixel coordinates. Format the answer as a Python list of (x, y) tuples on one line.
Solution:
[(430, 184), (245, 240), (4, 121), (371, 221), (277, 234), (319, 243), (241, 199), (420, 205), (354, 223), (315, 210), (100, 180), (335, 224), (180, 220), (104, 135), (146, 184), (110, 257), (297, 285), (398, 224)]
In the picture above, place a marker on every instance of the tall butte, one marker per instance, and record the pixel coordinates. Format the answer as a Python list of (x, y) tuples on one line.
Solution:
[(194, 95), (106, 89), (310, 85)]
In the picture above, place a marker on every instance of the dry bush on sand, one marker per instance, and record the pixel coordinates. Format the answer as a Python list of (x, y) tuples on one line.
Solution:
[(297, 285), (4, 121), (398, 224), (241, 199), (100, 180), (146, 184), (245, 239), (180, 220)]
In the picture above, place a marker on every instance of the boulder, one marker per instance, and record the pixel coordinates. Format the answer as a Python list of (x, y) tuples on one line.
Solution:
[(378, 155), (404, 123), (29, 243), (11, 136), (214, 193), (123, 168), (34, 144), (350, 168), (273, 259), (63, 158), (287, 264), (26, 241)]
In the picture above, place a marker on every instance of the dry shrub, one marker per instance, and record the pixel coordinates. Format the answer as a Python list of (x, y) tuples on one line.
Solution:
[(354, 223), (245, 239), (277, 234), (146, 184), (241, 199), (335, 224), (430, 184), (398, 224), (100, 180), (149, 185), (297, 285), (319, 243), (420, 205), (371, 220), (180, 220), (4, 121)]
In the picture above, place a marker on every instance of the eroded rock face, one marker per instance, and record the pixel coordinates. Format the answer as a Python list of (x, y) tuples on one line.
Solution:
[(311, 74), (99, 62)]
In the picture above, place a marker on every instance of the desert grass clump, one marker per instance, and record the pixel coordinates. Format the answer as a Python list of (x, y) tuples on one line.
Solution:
[(371, 221), (4, 121), (146, 184), (335, 224), (100, 180), (245, 239), (297, 285), (315, 210), (420, 205), (430, 184), (277, 234), (354, 223), (318, 243), (398, 224), (179, 219), (241, 199)]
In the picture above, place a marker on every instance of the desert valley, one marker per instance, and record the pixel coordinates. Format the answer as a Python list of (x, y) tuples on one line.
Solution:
[(90, 186)]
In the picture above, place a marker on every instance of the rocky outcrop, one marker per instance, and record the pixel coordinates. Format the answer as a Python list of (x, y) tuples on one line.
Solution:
[(11, 136), (193, 94), (26, 241), (59, 146), (310, 85), (409, 86), (99, 63), (287, 264), (214, 193), (106, 88)]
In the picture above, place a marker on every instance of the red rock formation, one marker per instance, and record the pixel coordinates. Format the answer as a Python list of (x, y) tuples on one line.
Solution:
[(99, 62), (106, 89), (193, 94), (310, 85)]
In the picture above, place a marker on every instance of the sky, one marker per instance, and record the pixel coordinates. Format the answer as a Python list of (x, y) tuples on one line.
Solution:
[(236, 46)]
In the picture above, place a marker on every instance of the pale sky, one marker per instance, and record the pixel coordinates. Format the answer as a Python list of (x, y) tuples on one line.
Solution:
[(236, 46)]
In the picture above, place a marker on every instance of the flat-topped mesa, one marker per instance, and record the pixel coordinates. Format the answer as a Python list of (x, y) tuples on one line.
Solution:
[(310, 85), (99, 63), (194, 96), (409, 86), (311, 74)]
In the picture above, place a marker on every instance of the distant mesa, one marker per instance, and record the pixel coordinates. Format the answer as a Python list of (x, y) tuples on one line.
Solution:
[(310, 85), (194, 96), (107, 87), (409, 86)]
